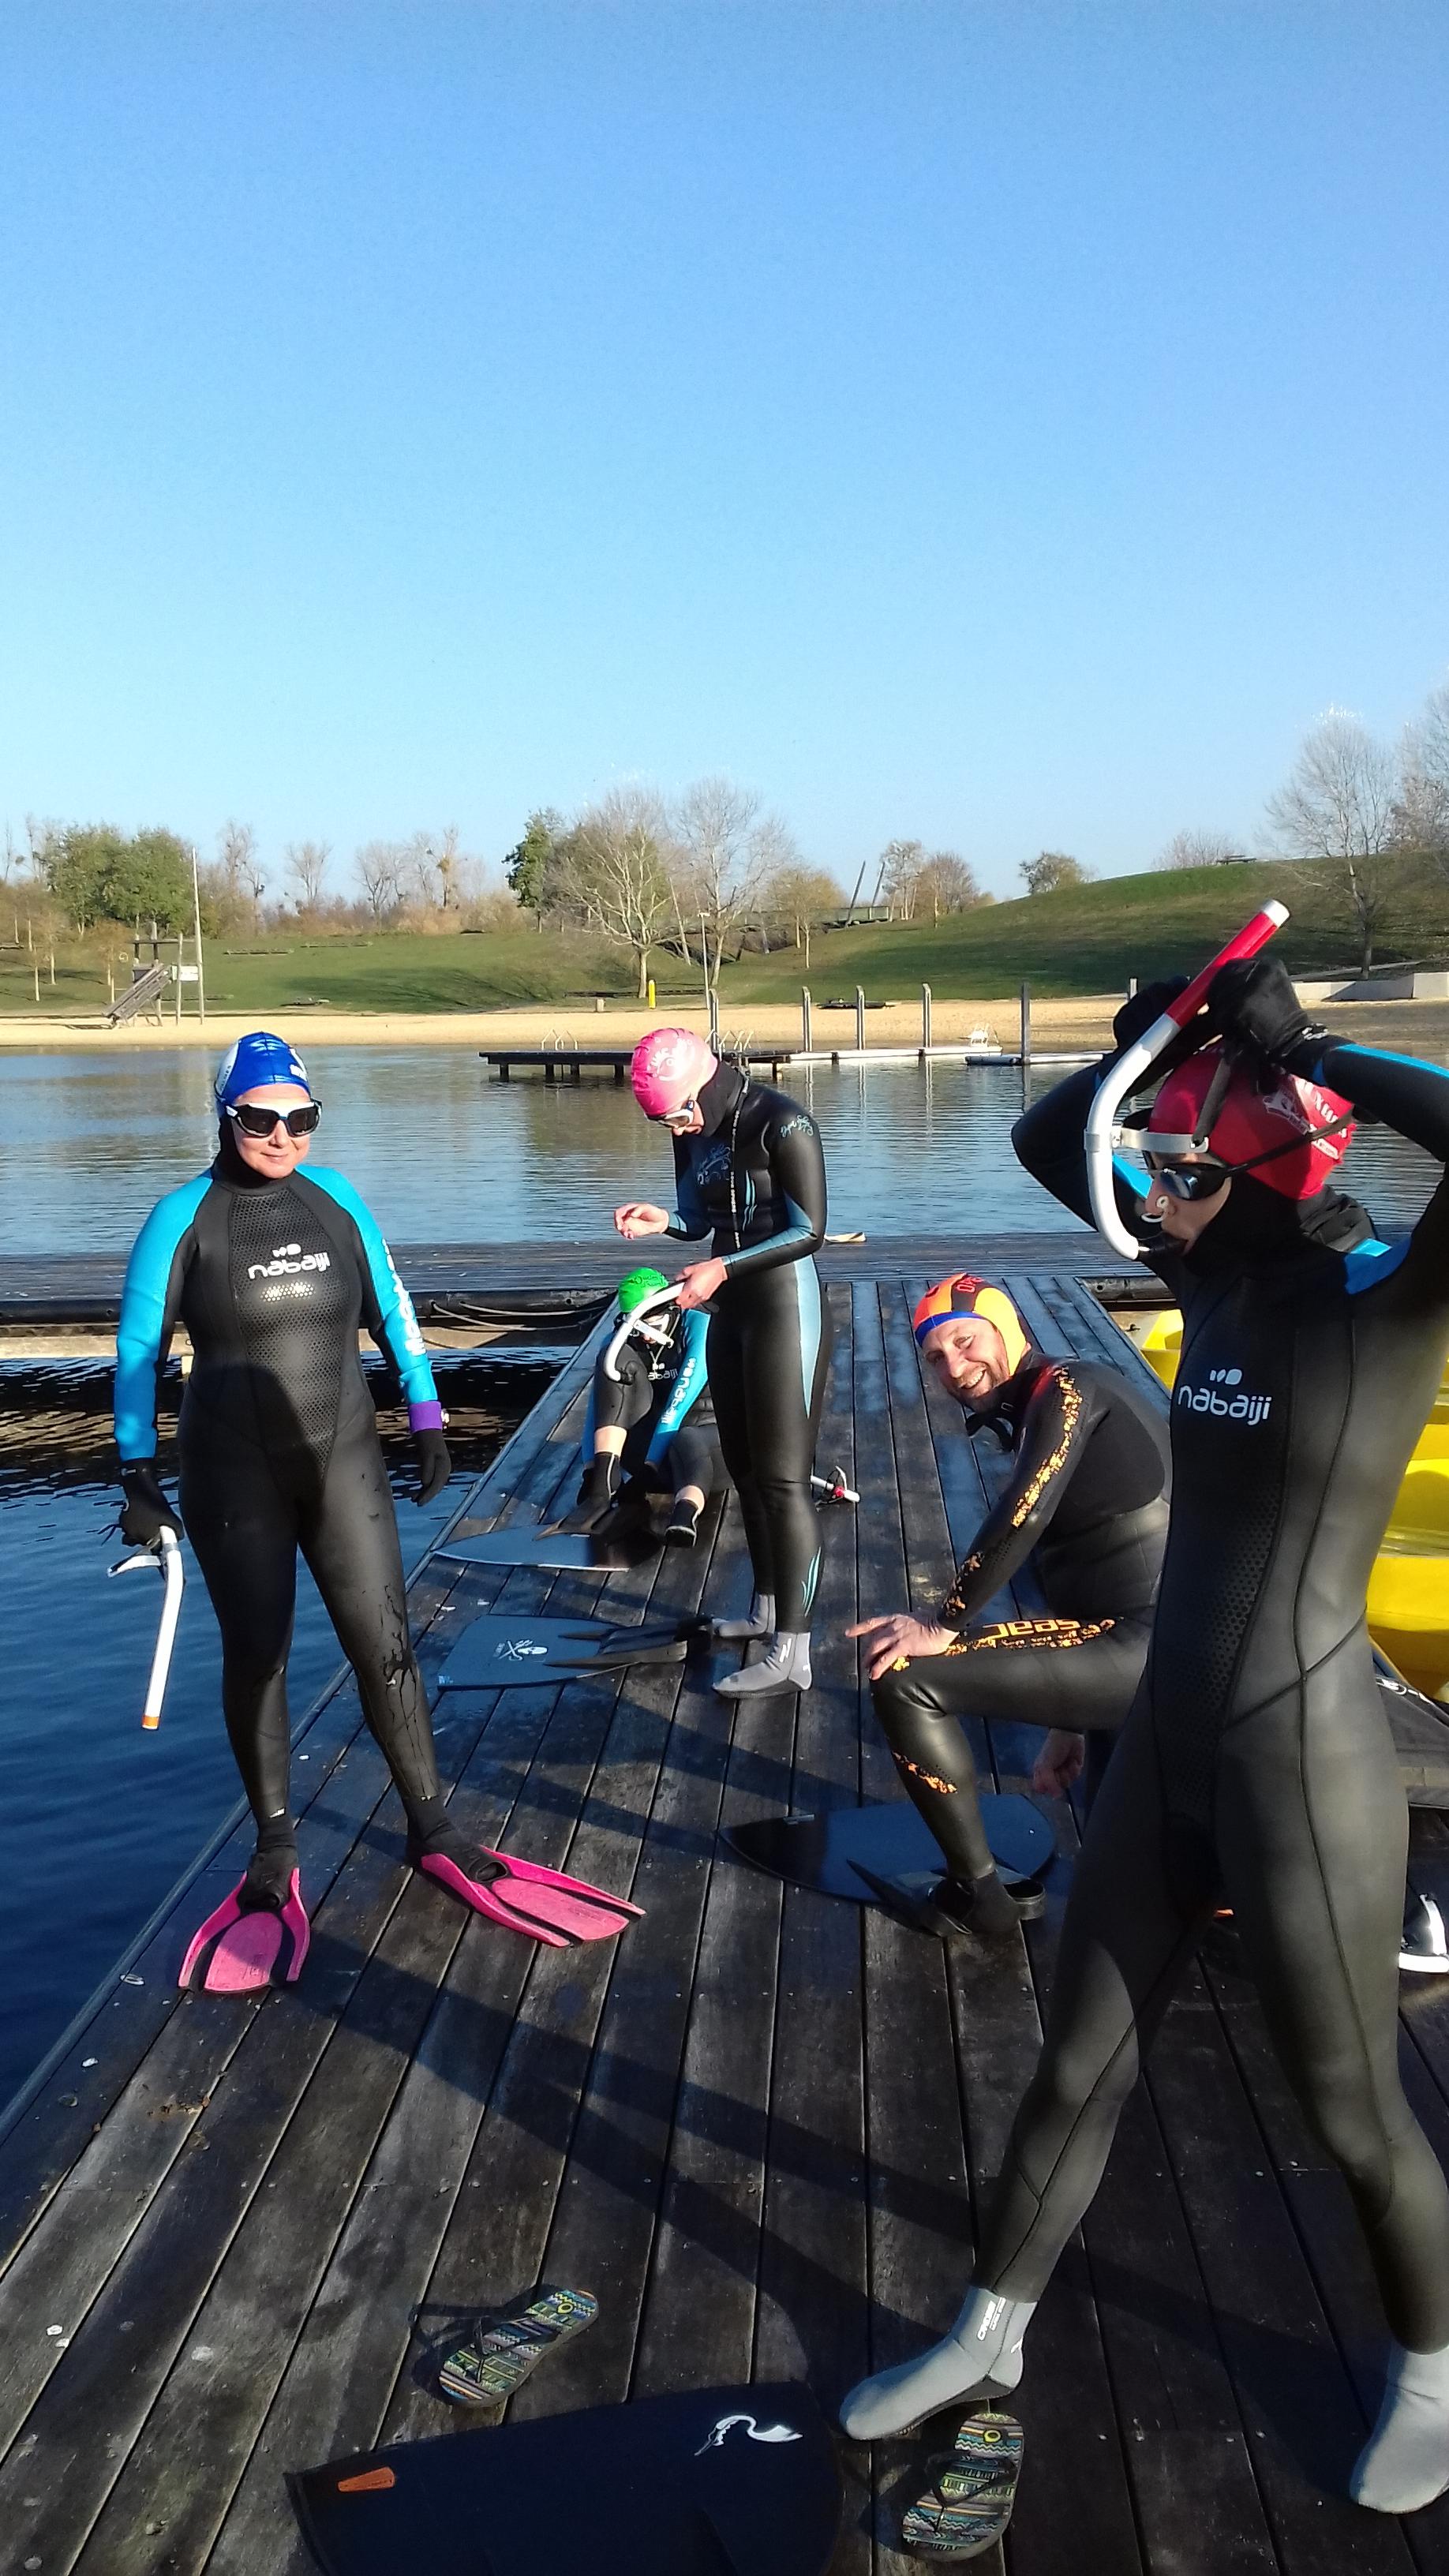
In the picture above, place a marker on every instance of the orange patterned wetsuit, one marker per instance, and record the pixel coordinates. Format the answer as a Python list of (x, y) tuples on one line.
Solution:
[(1088, 1504)]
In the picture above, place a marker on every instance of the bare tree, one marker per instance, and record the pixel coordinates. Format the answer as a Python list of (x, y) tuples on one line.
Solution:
[(1338, 799), (380, 870), (946, 882), (615, 868), (795, 899), (725, 846), (240, 867), (1202, 850), (306, 867), (901, 863), (1337, 806), (1421, 808), (1051, 870)]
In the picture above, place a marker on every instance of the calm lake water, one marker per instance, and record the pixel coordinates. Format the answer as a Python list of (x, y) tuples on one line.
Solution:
[(443, 1152), (96, 1820)]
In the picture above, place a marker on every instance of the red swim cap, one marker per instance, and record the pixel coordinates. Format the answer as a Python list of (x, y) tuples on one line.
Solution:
[(965, 1295), (668, 1067), (1286, 1123)]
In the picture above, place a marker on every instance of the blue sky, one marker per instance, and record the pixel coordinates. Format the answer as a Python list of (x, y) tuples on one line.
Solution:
[(1008, 424)]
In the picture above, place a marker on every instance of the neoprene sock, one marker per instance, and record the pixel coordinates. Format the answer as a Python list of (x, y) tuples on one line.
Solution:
[(682, 1527), (993, 1911), (268, 1878), (980, 2355), (761, 1620), (785, 1667), (1405, 2462)]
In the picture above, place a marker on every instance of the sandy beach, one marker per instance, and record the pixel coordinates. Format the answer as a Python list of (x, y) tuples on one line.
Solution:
[(1419, 1028)]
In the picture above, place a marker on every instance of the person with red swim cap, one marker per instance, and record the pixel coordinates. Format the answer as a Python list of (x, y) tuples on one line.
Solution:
[(1257, 1763), (1087, 1505), (748, 1169)]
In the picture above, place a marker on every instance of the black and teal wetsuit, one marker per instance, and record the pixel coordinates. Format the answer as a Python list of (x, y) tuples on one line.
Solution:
[(755, 1179), (1257, 1761), (661, 1401), (278, 1443)]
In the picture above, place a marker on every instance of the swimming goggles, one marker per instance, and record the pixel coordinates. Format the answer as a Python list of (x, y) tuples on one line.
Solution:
[(255, 1120), (1152, 1166), (671, 1117)]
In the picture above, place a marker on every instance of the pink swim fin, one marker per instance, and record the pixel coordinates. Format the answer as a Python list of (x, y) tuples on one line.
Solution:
[(522, 1894), (242, 1947)]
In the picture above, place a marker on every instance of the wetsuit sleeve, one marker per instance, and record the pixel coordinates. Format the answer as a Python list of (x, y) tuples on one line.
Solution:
[(688, 1386), (149, 1301), (689, 1220), (1059, 1415), (797, 1169), (1049, 1143), (386, 1306), (1413, 1099)]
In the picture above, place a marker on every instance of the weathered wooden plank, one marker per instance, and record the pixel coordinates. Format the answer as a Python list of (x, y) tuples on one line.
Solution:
[(813, 2294)]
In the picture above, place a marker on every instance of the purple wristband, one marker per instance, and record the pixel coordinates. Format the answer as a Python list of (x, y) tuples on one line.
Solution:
[(425, 1417)]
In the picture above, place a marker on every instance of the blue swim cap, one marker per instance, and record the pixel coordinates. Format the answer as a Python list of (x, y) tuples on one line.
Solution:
[(256, 1059)]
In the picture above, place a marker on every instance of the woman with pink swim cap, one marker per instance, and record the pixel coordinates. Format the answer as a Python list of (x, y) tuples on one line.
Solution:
[(749, 1170)]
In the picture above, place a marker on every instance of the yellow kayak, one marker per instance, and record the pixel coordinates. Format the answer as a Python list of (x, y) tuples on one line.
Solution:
[(1408, 1595)]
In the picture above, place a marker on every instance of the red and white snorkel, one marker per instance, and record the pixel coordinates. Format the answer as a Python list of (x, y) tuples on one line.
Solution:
[(1126, 1075)]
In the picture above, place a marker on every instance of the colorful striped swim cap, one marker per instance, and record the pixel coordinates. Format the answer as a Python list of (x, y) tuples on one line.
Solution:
[(964, 1296)]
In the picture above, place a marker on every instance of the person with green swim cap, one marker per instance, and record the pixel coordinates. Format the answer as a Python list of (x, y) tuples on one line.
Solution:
[(652, 1426)]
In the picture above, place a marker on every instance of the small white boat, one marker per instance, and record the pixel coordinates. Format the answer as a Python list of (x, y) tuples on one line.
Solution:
[(983, 1041)]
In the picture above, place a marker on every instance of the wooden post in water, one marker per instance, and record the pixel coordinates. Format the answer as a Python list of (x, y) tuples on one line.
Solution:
[(860, 1019), (805, 1037), (1026, 1024), (925, 1017)]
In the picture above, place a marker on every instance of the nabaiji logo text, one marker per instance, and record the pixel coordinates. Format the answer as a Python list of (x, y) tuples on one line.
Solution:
[(284, 1263), (1225, 1396)]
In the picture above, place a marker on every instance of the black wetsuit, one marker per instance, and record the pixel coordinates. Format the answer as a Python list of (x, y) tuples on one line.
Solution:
[(1257, 1761), (279, 1447), (755, 1179), (1088, 1503), (661, 1401)]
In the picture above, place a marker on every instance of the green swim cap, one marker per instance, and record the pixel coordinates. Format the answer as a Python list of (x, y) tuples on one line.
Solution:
[(639, 1285)]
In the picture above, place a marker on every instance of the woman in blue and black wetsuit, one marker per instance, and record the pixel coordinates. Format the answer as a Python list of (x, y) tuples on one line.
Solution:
[(748, 1168), (272, 1271)]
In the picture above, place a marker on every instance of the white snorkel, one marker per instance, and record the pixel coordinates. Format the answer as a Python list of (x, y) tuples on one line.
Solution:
[(636, 1318), (1126, 1075), (173, 1575)]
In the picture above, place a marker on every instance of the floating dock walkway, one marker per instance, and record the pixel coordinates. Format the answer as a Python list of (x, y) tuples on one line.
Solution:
[(237, 2236)]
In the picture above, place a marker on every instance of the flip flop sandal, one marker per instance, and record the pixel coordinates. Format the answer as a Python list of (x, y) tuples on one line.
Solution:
[(969, 2505), (507, 2342)]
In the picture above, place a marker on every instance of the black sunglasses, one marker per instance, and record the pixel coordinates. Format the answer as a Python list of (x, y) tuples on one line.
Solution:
[(254, 1120)]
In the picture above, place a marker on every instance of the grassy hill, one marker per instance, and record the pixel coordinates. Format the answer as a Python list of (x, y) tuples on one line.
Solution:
[(1088, 940)]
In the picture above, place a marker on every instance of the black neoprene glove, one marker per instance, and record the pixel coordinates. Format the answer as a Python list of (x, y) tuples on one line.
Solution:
[(434, 1464), (146, 1512), (1252, 1004), (1136, 1016)]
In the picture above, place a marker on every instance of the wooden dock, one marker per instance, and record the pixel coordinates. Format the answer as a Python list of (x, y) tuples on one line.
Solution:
[(570, 1061), (236, 2237)]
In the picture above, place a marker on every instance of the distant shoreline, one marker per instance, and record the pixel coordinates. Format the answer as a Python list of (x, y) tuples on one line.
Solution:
[(1422, 1027)]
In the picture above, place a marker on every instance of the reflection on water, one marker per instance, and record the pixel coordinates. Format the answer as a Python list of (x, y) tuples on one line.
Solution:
[(444, 1153), (97, 1820)]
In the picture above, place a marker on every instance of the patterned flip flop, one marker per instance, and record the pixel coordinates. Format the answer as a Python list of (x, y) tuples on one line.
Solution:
[(969, 2505), (507, 2342)]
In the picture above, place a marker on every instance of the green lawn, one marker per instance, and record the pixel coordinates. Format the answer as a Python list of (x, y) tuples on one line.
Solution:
[(1088, 940)]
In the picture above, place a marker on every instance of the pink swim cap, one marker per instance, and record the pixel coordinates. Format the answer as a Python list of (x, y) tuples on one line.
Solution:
[(669, 1067), (1296, 1132)]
